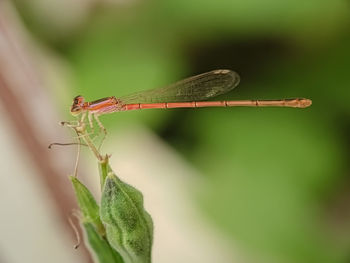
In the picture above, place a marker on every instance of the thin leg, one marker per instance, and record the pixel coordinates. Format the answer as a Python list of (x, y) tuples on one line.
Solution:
[(70, 124), (78, 126), (100, 124), (82, 136), (90, 117), (75, 229), (83, 116), (77, 160), (102, 128), (65, 144), (78, 129), (90, 120)]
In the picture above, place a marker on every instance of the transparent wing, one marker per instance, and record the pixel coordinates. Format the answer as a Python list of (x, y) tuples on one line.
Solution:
[(199, 87)]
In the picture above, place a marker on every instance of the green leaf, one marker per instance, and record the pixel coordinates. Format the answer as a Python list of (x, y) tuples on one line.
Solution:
[(129, 227), (94, 229), (87, 205), (104, 253)]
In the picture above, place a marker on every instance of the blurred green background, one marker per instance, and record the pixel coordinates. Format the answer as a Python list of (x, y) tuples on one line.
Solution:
[(277, 179)]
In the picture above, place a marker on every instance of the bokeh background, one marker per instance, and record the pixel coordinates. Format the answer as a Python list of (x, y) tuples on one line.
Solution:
[(222, 185)]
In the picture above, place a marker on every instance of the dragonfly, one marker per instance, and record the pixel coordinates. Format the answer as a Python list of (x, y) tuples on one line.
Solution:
[(192, 92)]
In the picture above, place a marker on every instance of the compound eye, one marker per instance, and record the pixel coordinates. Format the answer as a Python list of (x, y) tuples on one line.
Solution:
[(78, 100)]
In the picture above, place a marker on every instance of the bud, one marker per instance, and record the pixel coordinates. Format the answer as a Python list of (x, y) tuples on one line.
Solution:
[(128, 226)]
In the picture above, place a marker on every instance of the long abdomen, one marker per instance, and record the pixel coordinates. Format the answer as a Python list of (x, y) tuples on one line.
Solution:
[(293, 103)]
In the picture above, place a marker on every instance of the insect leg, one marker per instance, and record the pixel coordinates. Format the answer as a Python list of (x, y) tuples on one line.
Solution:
[(102, 128)]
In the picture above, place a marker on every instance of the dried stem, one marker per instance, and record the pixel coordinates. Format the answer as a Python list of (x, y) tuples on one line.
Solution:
[(20, 78)]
